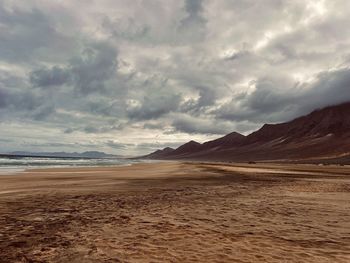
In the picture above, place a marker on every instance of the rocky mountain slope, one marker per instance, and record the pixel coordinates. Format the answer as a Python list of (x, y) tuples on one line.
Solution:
[(322, 134)]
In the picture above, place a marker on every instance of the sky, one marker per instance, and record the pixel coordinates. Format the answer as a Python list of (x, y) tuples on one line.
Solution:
[(129, 77)]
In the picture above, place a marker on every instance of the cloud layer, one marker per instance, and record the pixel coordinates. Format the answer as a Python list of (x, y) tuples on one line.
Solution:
[(130, 77)]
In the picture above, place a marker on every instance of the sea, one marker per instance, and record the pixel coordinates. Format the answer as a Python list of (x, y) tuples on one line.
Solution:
[(13, 164)]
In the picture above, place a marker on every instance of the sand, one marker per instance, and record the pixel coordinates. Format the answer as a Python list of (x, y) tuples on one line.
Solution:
[(177, 212)]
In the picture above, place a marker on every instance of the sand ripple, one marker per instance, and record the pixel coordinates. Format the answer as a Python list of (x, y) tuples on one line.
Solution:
[(233, 217)]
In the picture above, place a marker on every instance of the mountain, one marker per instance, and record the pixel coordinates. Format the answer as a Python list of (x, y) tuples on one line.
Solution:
[(186, 149), (322, 134), (160, 153), (230, 140), (333, 120), (88, 154)]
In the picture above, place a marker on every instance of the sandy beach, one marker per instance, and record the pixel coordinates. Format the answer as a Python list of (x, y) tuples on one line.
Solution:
[(177, 212)]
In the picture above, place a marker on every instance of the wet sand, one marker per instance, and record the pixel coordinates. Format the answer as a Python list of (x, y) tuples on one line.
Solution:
[(177, 212)]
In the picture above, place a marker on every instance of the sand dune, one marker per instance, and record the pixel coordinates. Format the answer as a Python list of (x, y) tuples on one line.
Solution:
[(177, 212)]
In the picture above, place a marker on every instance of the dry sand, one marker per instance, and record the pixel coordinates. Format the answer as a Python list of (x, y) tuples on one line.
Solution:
[(177, 212)]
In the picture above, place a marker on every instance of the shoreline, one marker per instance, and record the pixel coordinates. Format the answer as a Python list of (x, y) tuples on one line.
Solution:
[(6, 170), (263, 164)]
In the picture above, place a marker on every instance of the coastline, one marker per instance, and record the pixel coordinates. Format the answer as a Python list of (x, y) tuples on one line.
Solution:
[(177, 212)]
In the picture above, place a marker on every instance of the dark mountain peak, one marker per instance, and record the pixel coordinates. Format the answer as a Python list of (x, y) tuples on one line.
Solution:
[(192, 143), (234, 135), (187, 148), (321, 122), (189, 145), (157, 152), (160, 153), (168, 149), (334, 108), (232, 139), (267, 126), (265, 133), (322, 133)]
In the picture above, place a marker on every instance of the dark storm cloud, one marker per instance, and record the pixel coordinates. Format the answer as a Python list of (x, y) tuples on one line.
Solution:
[(331, 87), (207, 97), (56, 76), (23, 101), (25, 106), (194, 68), (86, 72), (280, 99), (25, 33), (194, 10), (3, 98), (96, 64), (193, 25)]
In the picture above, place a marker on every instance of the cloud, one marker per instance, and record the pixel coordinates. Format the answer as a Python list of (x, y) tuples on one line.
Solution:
[(192, 26), (3, 98), (26, 33), (280, 98), (194, 9), (96, 64), (154, 105), (149, 147), (55, 76), (24, 103), (186, 123), (125, 28), (207, 97), (157, 73), (87, 73), (116, 145)]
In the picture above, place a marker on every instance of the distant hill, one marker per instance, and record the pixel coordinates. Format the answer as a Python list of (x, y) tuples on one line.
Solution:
[(323, 134), (160, 153), (88, 154)]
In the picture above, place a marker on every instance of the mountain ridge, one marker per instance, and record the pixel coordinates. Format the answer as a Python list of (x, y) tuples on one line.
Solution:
[(323, 133)]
